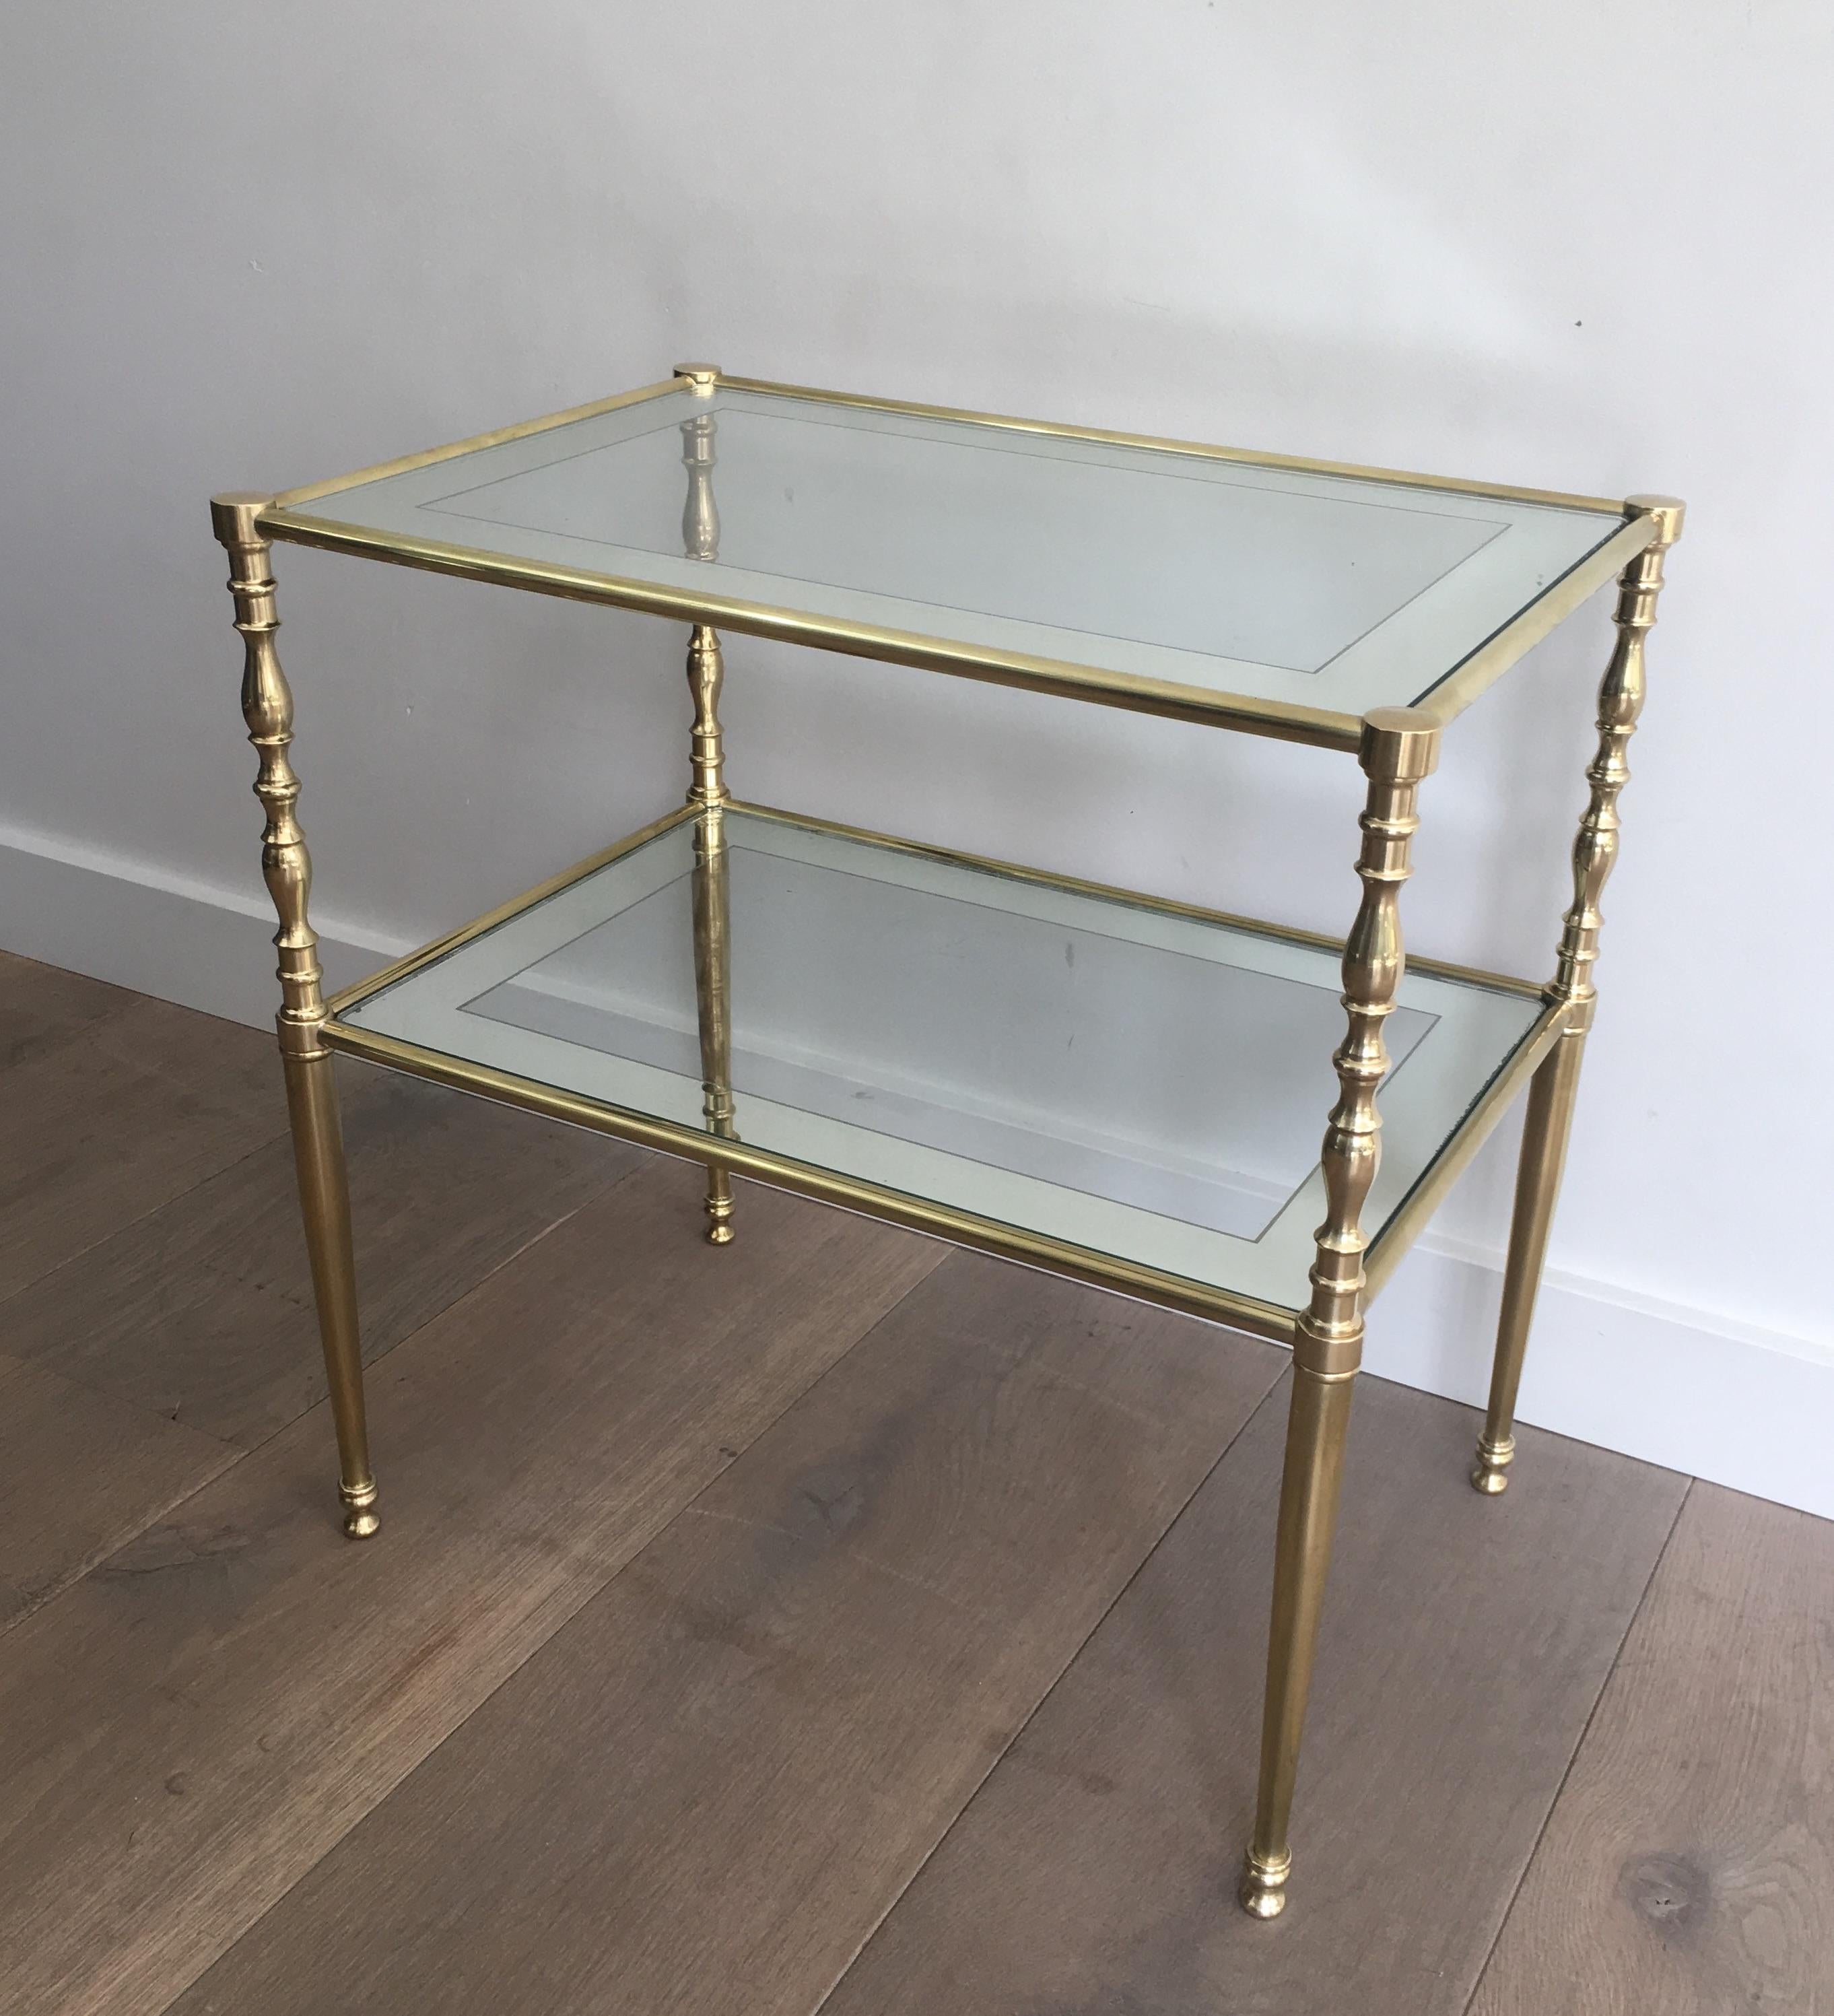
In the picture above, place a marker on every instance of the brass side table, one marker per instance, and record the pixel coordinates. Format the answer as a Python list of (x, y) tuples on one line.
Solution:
[(1117, 1088)]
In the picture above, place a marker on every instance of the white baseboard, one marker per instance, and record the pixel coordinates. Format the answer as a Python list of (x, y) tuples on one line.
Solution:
[(164, 935), (1684, 1387)]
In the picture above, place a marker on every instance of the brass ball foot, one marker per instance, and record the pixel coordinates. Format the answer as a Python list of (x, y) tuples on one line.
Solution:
[(719, 1234), (1262, 1892), (1491, 1475), (361, 1519)]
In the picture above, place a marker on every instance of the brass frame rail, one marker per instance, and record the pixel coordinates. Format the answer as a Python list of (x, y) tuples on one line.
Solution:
[(1397, 748)]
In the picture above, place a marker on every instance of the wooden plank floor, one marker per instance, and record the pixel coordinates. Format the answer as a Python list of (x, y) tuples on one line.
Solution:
[(833, 1622)]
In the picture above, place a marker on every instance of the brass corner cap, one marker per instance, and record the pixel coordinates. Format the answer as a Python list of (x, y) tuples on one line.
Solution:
[(1399, 742), (701, 376), (233, 514), (1669, 513)]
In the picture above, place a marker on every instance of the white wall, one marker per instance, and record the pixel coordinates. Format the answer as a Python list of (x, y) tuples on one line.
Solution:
[(1583, 245)]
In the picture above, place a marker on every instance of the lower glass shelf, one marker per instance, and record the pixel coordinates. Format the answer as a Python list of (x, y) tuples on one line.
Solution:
[(1122, 1089)]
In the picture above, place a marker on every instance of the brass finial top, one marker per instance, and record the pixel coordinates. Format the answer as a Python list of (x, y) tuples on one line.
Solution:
[(1401, 742), (702, 377), (233, 514), (1669, 513)]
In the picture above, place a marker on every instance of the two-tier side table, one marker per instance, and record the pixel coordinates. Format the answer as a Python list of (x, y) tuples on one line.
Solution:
[(1115, 1088)]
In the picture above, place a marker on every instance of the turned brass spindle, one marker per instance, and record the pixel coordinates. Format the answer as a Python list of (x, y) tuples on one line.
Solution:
[(700, 515), (311, 1092), (1548, 1121), (713, 994), (712, 950), (1399, 748)]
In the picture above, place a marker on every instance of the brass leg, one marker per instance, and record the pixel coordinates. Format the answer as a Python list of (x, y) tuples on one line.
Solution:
[(311, 1096), (1316, 1422), (712, 978), (713, 998), (1545, 1128), (324, 1202), (1399, 748), (1549, 1117)]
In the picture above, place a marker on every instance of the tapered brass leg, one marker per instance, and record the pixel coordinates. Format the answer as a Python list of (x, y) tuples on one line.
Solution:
[(325, 1201), (1549, 1117), (713, 997), (1545, 1132), (712, 956), (1399, 748), (1317, 1422), (312, 1094)]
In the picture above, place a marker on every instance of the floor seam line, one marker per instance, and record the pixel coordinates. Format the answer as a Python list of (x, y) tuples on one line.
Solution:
[(590, 1596), (1280, 1378), (239, 1453), (1586, 1729), (126, 1539), (457, 1301), (127, 1225)]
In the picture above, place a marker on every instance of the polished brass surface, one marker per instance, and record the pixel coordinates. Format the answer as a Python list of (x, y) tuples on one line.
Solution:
[(1401, 748), (1546, 1126), (1323, 727), (1318, 1422), (1398, 748), (1286, 721), (307, 492), (1407, 1222), (700, 515), (311, 1092), (1485, 666), (1207, 451), (1262, 1319), (708, 795), (706, 760), (713, 981), (1548, 1121), (1031, 1249)]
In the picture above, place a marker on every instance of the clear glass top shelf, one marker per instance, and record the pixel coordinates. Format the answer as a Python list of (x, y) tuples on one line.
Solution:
[(1115, 1075), (1146, 567)]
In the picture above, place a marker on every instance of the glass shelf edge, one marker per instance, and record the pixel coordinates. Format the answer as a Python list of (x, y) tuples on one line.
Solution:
[(1261, 1319), (1098, 1270), (400, 969), (1170, 444), (401, 465), (1444, 701), (1410, 1217), (1284, 721)]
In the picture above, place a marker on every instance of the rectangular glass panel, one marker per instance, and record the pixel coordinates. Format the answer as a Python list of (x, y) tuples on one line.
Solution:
[(1147, 1084), (1339, 592)]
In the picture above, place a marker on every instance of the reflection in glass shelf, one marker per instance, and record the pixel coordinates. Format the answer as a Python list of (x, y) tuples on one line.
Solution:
[(1222, 574), (1129, 1078)]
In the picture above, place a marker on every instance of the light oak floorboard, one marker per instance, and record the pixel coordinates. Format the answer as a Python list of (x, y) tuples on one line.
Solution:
[(202, 1311), (704, 1793), (42, 1007), (80, 1474), (1464, 1643), (1689, 1866), (189, 1729), (130, 1112)]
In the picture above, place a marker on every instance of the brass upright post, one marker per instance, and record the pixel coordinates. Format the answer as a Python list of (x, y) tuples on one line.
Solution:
[(1548, 1121), (712, 974), (1399, 748), (311, 1092), (700, 541)]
